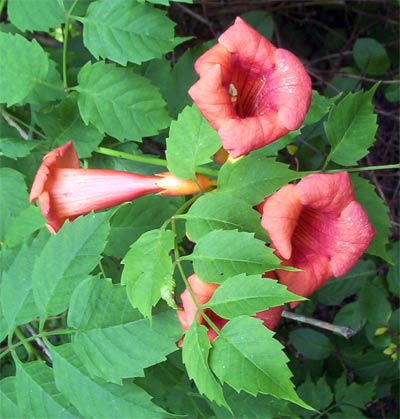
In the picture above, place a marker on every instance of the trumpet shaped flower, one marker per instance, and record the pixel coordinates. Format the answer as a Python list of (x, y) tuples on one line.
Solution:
[(251, 92), (65, 191), (203, 291), (318, 227)]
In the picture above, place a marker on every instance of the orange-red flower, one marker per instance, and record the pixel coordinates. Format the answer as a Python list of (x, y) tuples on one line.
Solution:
[(318, 227), (203, 291), (251, 92), (65, 191)]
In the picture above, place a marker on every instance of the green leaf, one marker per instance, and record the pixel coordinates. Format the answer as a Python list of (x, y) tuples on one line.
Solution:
[(247, 295), (337, 289), (25, 59), (37, 393), (127, 31), (310, 343), (195, 354), (133, 219), (8, 401), (350, 315), (148, 269), (357, 395), (17, 300), (48, 89), (13, 198), (252, 178), (191, 142), (67, 259), (214, 211), (64, 123), (119, 102), (346, 413), (373, 296), (41, 16), (370, 56), (351, 128), (247, 357), (221, 254), (118, 329), (317, 395), (23, 225), (394, 271), (378, 215), (320, 106), (96, 398), (15, 148)]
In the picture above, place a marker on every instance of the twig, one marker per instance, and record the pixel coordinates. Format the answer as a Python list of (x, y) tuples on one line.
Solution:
[(346, 332), (13, 124), (39, 342)]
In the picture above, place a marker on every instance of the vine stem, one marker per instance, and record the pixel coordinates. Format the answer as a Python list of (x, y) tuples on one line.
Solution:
[(362, 169), (65, 45), (346, 332), (11, 347), (148, 160)]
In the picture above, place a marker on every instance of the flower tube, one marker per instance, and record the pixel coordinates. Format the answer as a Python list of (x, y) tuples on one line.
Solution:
[(318, 227), (251, 92), (203, 291), (65, 191)]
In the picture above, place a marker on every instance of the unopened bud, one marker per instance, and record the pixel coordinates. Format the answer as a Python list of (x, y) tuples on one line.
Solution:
[(174, 186), (390, 349), (292, 149)]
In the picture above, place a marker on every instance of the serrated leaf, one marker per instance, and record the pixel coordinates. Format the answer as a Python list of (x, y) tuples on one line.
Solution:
[(95, 397), (133, 219), (24, 58), (247, 295), (351, 128), (247, 357), (15, 148), (13, 197), (44, 15), (8, 401), (37, 394), (252, 178), (67, 259), (17, 300), (127, 31), (221, 254), (117, 329), (320, 106), (337, 289), (370, 56), (64, 123), (214, 211), (119, 102), (191, 142), (310, 343), (378, 215), (350, 315), (373, 296), (357, 395), (319, 395), (148, 269), (195, 354)]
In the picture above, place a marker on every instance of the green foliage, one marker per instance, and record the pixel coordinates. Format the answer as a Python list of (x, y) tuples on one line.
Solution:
[(370, 56), (104, 89), (252, 362), (127, 31), (221, 254), (191, 143), (147, 279), (28, 60), (311, 344), (351, 128), (247, 295)]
